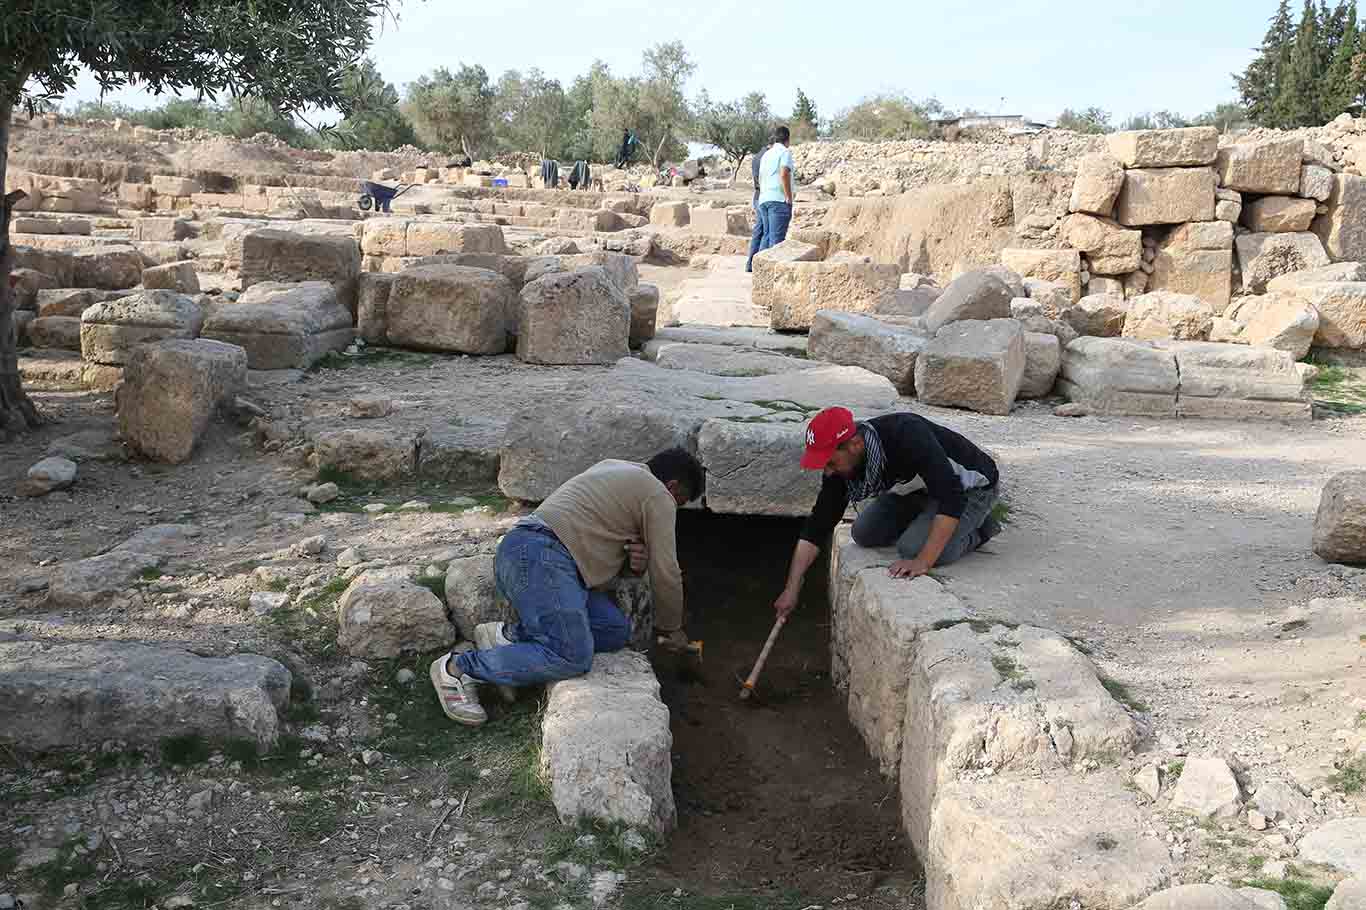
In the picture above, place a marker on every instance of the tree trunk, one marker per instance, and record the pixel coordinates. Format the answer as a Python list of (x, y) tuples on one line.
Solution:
[(17, 413), (736, 173), (654, 163)]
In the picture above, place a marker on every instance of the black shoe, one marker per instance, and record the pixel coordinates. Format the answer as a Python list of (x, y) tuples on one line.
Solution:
[(989, 529)]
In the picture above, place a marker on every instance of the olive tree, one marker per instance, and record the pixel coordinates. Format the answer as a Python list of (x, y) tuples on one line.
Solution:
[(291, 53)]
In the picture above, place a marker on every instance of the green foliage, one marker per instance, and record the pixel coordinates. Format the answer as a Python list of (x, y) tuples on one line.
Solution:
[(1307, 73), (241, 118), (1092, 120), (664, 111), (452, 111), (887, 116), (1120, 693), (1298, 893), (1227, 116), (738, 128), (1350, 778), (1160, 120), (804, 109), (374, 121), (531, 114)]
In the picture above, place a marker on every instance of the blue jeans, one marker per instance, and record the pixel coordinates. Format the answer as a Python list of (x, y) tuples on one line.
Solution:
[(776, 217), (756, 240), (906, 521), (562, 623)]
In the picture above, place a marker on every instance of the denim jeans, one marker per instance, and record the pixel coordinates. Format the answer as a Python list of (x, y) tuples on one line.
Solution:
[(561, 623), (776, 217), (906, 521), (756, 240)]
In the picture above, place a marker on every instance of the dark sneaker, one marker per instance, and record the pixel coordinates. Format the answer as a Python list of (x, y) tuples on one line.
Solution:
[(989, 529)]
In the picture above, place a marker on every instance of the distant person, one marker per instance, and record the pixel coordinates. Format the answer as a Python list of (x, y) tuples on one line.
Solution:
[(776, 169), (756, 240), (628, 143)]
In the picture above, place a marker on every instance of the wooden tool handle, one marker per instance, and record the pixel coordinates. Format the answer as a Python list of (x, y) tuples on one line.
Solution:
[(748, 687)]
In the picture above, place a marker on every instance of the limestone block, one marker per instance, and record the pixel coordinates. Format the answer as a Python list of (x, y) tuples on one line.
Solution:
[(579, 317), (63, 696), (1166, 196), (385, 237), (265, 254), (1052, 298), (86, 582), (432, 238), (52, 473), (977, 365), (63, 332), (755, 468), (471, 594), (71, 301), (975, 295), (1207, 788), (112, 330), (606, 745), (1278, 214), (1206, 274), (644, 314), (718, 221), (670, 214), (164, 185), (170, 392), (1340, 525), (162, 229), (1200, 235), (283, 326), (1229, 212), (1165, 148), (722, 360), (1110, 248), (1043, 360), (1342, 312), (1316, 182), (1099, 315), (853, 340), (1338, 271), (57, 265), (110, 268), (1270, 166), (136, 196), (1162, 315), (384, 614), (1263, 257), (1099, 179), (1238, 382), (175, 276), (795, 291), (159, 252), (1350, 894), (449, 308), (372, 306), (1280, 321), (1343, 228), (1340, 844), (620, 268), (1120, 376), (1058, 266)]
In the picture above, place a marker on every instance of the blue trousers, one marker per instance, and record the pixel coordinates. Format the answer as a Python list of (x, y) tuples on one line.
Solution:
[(756, 239), (776, 217), (561, 623), (906, 521)]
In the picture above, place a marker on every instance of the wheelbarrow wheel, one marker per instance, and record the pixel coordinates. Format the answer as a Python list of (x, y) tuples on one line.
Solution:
[(366, 202)]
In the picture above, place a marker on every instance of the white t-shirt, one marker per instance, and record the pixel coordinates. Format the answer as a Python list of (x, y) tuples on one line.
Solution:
[(770, 173)]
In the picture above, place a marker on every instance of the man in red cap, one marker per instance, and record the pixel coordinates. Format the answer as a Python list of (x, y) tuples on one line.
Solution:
[(864, 460)]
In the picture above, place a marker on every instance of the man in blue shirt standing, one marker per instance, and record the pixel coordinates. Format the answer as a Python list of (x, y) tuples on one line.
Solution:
[(776, 188)]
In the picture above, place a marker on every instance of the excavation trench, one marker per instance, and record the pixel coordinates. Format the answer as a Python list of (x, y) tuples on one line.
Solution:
[(780, 793)]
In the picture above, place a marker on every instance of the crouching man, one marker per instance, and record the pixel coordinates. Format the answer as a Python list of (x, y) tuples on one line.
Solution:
[(863, 460), (548, 565)]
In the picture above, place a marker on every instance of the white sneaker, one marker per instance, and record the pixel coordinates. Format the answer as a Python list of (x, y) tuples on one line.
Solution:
[(491, 635), (459, 695)]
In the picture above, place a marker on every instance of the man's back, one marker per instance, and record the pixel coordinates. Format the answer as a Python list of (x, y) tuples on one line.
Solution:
[(771, 164)]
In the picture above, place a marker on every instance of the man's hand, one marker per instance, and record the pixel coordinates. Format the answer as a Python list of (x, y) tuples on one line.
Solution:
[(786, 602), (637, 557), (908, 568)]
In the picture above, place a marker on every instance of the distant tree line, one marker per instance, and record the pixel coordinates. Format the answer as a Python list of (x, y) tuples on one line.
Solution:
[(1309, 72)]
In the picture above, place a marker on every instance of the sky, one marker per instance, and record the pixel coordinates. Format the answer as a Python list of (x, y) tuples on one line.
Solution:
[(1030, 57)]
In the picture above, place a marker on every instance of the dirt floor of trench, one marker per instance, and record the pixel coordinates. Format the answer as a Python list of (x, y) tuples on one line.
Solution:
[(777, 795)]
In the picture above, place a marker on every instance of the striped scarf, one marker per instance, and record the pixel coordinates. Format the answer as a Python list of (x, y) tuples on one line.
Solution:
[(870, 482)]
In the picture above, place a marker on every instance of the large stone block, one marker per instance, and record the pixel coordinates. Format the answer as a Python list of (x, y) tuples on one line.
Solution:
[(1340, 525), (1341, 306), (283, 326), (1119, 376), (175, 276), (1166, 196), (68, 695), (162, 229), (1099, 179), (1058, 266), (719, 221), (644, 314), (266, 254), (1163, 315), (620, 268), (670, 214), (722, 360), (166, 185), (110, 268), (1271, 166), (579, 317), (977, 295), (112, 330), (1277, 320), (1206, 274), (1165, 148), (1110, 248), (1043, 360), (58, 265), (1238, 382), (372, 306), (60, 332), (1264, 257), (72, 301), (1278, 214), (755, 468), (1098, 315), (449, 308), (1338, 271), (170, 392), (385, 237), (795, 291), (88, 582), (432, 238), (1343, 228), (606, 746), (862, 341), (384, 614), (471, 594), (977, 365)]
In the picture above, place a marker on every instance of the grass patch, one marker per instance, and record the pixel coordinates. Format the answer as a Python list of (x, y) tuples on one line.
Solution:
[(278, 584), (336, 360), (597, 844), (1351, 777), (1120, 693), (1010, 671), (1298, 894), (1001, 512), (189, 749), (434, 583), (1174, 770), (1255, 863), (150, 574), (1338, 389)]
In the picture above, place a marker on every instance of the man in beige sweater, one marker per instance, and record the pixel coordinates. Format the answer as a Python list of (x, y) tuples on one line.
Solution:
[(548, 565)]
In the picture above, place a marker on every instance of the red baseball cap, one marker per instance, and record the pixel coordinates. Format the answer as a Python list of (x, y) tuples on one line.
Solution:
[(824, 434)]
